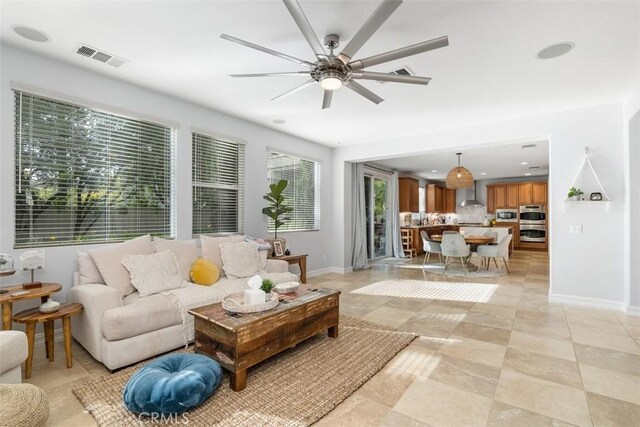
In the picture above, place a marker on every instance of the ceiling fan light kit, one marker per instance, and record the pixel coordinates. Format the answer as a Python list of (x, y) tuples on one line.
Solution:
[(459, 177), (335, 71)]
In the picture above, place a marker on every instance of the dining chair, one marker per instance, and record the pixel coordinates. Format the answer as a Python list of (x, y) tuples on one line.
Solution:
[(454, 246), (492, 234), (430, 247), (501, 250)]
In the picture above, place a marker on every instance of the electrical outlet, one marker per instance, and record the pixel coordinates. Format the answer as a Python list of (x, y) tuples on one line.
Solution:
[(575, 228)]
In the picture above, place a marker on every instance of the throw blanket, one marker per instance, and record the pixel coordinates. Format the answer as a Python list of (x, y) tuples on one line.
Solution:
[(188, 297)]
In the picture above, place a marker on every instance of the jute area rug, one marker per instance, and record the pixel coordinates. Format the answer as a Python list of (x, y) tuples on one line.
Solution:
[(294, 388)]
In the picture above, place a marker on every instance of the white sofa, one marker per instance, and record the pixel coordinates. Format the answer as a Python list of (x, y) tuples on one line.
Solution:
[(120, 330), (13, 351)]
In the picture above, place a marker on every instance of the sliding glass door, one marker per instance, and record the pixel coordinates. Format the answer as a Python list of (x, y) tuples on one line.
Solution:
[(376, 190)]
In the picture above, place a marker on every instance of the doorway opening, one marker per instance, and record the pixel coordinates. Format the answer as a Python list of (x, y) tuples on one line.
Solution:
[(377, 200)]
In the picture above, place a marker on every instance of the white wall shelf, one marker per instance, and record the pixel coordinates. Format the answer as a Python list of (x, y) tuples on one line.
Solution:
[(586, 162)]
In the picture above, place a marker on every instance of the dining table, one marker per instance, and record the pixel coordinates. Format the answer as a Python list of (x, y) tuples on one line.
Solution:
[(472, 240)]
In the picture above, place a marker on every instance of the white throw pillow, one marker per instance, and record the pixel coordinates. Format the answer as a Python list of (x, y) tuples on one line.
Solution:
[(186, 252), (154, 273), (87, 269), (109, 261), (211, 248), (240, 259)]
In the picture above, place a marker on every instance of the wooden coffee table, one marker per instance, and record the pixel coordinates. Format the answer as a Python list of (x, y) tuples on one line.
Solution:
[(239, 341)]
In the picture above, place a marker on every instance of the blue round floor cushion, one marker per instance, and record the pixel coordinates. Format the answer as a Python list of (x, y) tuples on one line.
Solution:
[(172, 384)]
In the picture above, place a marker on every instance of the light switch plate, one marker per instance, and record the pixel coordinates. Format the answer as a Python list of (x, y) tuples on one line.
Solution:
[(575, 228)]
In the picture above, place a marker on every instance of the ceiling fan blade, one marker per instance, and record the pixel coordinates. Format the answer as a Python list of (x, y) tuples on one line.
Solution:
[(295, 89), (285, 73), (375, 21), (361, 90), (307, 31), (387, 77), (266, 50), (326, 100), (400, 53)]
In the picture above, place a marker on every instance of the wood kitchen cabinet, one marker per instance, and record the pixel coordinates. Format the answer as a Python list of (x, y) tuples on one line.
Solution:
[(500, 196), (408, 194), (512, 196), (539, 193), (525, 193), (491, 205), (440, 199)]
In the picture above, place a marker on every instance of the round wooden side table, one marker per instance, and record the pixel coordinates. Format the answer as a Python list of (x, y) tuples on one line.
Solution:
[(33, 316)]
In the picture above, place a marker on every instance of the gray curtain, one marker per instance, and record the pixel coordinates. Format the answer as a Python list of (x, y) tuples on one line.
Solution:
[(396, 238), (358, 218)]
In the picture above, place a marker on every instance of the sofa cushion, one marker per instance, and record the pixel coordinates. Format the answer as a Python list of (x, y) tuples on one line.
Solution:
[(109, 261), (87, 269), (153, 273), (13, 349), (138, 316), (186, 252), (211, 248), (240, 259), (204, 272)]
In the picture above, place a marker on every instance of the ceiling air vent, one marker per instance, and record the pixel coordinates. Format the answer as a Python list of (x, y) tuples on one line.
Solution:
[(529, 146), (101, 56), (404, 71), (534, 167)]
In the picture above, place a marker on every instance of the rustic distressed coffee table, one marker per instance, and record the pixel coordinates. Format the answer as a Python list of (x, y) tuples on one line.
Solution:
[(239, 341)]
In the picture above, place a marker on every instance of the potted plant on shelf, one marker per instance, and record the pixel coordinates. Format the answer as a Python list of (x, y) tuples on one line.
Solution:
[(574, 193), (277, 209)]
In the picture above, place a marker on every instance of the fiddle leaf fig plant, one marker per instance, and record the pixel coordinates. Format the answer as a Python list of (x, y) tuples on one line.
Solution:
[(277, 207)]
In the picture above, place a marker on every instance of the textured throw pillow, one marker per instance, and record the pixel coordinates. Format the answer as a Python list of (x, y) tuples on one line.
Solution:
[(211, 247), (240, 259), (87, 269), (153, 273), (204, 272), (186, 252), (109, 261)]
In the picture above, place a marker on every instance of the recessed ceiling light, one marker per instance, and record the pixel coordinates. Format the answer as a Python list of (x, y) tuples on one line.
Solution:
[(279, 121), (434, 171), (555, 50), (524, 163), (527, 174), (483, 173), (30, 33)]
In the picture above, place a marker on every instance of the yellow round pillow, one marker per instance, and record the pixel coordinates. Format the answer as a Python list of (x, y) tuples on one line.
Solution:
[(204, 272)]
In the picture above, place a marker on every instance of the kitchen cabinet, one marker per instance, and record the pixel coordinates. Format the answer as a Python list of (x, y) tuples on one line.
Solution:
[(525, 193), (500, 196), (440, 199), (539, 193), (408, 194), (512, 196), (491, 205)]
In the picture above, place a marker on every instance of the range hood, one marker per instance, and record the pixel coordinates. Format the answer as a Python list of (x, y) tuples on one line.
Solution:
[(471, 202)]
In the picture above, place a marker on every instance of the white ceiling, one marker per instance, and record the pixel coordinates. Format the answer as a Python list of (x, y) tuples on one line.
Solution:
[(488, 73), (500, 161)]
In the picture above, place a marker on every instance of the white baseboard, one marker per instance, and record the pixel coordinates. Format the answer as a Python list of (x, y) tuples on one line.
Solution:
[(328, 270), (57, 336), (587, 302), (633, 311)]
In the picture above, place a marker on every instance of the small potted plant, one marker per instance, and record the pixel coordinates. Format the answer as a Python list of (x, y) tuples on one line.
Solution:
[(574, 193), (277, 209), (267, 286)]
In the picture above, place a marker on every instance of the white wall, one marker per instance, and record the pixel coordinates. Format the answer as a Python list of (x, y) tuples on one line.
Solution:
[(631, 122), (586, 267), (57, 77)]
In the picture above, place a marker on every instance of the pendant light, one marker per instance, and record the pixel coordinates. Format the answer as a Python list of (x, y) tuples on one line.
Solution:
[(459, 177)]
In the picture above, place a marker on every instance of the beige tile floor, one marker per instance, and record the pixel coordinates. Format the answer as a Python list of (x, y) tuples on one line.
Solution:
[(508, 357)]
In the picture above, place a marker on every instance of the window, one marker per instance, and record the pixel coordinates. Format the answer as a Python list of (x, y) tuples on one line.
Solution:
[(302, 192), (218, 185), (88, 176)]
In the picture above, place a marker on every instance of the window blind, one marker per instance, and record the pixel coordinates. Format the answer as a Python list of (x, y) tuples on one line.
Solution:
[(88, 176), (218, 185), (302, 192)]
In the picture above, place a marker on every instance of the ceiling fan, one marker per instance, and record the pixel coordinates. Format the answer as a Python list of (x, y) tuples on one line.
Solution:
[(334, 71)]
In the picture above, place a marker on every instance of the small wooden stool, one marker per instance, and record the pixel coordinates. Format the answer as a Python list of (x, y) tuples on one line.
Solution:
[(33, 316)]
